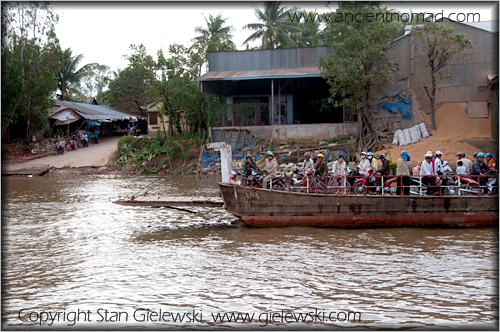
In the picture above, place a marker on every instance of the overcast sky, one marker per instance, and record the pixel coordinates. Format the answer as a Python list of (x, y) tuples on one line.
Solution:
[(103, 32)]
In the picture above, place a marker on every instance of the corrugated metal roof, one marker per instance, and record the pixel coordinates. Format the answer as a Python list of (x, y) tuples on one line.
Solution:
[(90, 112), (64, 117), (490, 26), (282, 58), (260, 74)]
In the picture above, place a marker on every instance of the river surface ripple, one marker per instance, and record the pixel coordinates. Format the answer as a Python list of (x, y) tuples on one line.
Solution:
[(67, 247)]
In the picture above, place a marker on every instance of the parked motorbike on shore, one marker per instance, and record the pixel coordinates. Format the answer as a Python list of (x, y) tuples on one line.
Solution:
[(135, 131), (60, 147), (72, 145)]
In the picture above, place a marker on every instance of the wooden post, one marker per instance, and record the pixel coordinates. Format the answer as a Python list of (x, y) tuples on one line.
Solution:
[(201, 154)]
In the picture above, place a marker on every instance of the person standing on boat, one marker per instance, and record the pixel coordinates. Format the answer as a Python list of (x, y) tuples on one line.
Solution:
[(271, 169), (386, 165), (480, 169), (248, 166), (385, 170), (438, 163), (403, 173), (426, 172), (339, 174), (465, 161), (364, 164), (321, 167), (308, 163)]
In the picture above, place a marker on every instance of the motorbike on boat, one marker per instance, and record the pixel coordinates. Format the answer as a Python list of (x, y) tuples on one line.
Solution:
[(370, 183)]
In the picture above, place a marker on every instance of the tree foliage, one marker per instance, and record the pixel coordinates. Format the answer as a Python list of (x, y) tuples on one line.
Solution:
[(438, 44), (276, 29), (127, 91), (29, 64), (69, 76), (357, 69), (215, 32), (95, 81)]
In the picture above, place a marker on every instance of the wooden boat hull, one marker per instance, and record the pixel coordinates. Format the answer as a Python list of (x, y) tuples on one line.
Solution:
[(265, 208)]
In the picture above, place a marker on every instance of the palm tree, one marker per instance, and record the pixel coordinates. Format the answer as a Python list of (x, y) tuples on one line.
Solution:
[(68, 74), (215, 31), (277, 27), (310, 34)]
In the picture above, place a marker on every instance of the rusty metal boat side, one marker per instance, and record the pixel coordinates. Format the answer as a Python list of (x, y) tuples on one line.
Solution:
[(265, 208)]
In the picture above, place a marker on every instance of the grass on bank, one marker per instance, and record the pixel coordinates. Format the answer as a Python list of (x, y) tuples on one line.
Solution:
[(151, 154)]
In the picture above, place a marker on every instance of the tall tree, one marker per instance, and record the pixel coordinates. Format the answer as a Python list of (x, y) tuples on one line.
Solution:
[(95, 81), (127, 91), (438, 44), (357, 68), (68, 74), (29, 64), (310, 33), (177, 89), (215, 30), (276, 29)]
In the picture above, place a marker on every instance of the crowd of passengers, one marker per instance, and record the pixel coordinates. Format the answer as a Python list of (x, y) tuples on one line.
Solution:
[(431, 167)]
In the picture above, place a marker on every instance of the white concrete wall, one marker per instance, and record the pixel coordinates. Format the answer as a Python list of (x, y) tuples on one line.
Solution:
[(301, 131)]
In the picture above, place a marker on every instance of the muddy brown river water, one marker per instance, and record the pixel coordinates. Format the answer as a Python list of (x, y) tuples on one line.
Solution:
[(71, 259)]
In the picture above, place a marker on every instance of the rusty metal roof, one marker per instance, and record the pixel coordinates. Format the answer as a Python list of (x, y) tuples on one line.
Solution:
[(260, 74), (89, 111)]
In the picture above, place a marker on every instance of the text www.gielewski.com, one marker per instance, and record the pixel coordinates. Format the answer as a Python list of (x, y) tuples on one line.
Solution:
[(266, 318)]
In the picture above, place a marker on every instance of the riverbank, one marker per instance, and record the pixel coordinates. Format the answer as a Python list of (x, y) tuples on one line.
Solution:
[(93, 159)]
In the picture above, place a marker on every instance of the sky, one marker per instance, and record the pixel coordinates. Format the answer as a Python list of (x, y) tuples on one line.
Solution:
[(103, 31)]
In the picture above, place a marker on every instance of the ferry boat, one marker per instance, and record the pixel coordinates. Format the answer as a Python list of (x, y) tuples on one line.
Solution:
[(259, 207)]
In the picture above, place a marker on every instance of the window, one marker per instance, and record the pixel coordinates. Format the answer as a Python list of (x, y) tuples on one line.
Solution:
[(153, 118)]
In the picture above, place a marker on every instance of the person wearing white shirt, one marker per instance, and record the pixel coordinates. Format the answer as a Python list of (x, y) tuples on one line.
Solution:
[(466, 162), (364, 164), (461, 170), (427, 174), (438, 163), (339, 173), (446, 169)]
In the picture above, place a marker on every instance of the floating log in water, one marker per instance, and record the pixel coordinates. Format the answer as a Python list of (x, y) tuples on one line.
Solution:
[(157, 201)]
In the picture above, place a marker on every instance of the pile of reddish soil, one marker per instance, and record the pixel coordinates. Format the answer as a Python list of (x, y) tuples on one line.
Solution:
[(453, 126)]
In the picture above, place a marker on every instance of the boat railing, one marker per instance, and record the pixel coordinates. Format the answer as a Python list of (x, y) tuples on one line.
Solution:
[(440, 185)]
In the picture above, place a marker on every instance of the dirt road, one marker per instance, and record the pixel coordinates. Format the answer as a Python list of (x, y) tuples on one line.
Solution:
[(96, 155)]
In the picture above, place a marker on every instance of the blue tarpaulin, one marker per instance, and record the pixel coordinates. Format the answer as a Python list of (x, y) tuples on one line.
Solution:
[(334, 155), (93, 123), (401, 103), (238, 139)]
